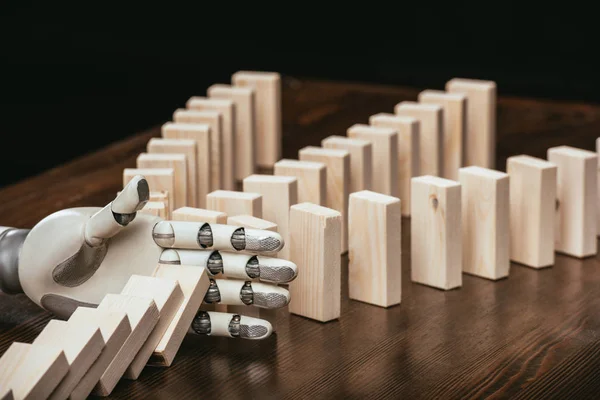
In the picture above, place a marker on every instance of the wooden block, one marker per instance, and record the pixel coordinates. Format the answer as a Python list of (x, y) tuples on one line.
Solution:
[(194, 282), (431, 134), (248, 221), (82, 345), (179, 165), (315, 249), (436, 233), (208, 170), (279, 193), (31, 372), (168, 297), (454, 111), (156, 208), (143, 316), (228, 145), (199, 215), (311, 177), (532, 208), (180, 146), (408, 151), (235, 203), (245, 125), (575, 220), (338, 181), (385, 156), (268, 113), (375, 266), (480, 138), (361, 162), (485, 222), (115, 329), (162, 196), (158, 179)]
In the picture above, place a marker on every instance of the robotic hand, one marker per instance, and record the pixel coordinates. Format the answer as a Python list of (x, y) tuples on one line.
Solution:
[(74, 257)]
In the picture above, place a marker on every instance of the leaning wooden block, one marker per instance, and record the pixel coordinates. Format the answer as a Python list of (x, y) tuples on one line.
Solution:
[(158, 179), (31, 372), (431, 134), (235, 203), (82, 344), (338, 181), (480, 138), (532, 208), (279, 193), (194, 282), (375, 266), (245, 125), (311, 176), (315, 249), (485, 222), (115, 329), (361, 161), (179, 165), (156, 208), (454, 110), (408, 151), (436, 233), (268, 112), (199, 215), (575, 220), (385, 156)]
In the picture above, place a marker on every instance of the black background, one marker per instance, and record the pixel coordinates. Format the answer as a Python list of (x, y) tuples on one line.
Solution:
[(78, 78)]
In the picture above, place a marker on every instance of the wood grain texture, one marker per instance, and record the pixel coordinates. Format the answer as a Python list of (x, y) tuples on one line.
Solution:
[(158, 179), (311, 177), (199, 215), (178, 163), (361, 160), (235, 203), (156, 208)]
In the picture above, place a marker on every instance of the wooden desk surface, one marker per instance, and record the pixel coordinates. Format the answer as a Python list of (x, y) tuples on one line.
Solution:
[(533, 335)]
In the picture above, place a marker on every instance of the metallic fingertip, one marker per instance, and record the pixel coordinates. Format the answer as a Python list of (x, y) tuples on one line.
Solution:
[(263, 241), (163, 234), (254, 328), (133, 197), (285, 272), (169, 257), (272, 299)]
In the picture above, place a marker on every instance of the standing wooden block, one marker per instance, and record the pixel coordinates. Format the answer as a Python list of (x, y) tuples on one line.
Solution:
[(385, 156), (179, 165), (575, 221), (228, 149), (315, 248), (279, 193), (338, 181), (408, 151), (245, 125), (532, 208), (435, 232), (206, 170), (268, 113), (199, 215), (454, 110), (375, 266), (311, 176), (82, 344), (480, 135), (186, 147), (485, 222), (31, 372), (361, 161), (158, 179), (235, 203), (194, 282), (115, 329), (156, 208), (431, 134)]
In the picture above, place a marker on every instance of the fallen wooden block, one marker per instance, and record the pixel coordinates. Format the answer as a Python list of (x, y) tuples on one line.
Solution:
[(235, 203), (375, 266), (228, 144), (199, 215), (311, 177), (532, 208), (245, 125), (179, 165), (575, 221), (158, 179), (156, 208), (115, 329), (338, 181), (436, 233), (485, 222), (82, 345), (315, 249), (385, 156), (480, 138), (31, 372), (361, 160), (431, 134), (268, 112), (208, 169), (454, 111), (408, 151)]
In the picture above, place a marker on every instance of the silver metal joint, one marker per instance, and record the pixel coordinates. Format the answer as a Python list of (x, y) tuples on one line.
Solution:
[(215, 263), (213, 295), (205, 236), (252, 267), (201, 323), (11, 242), (238, 239), (234, 326), (247, 294)]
